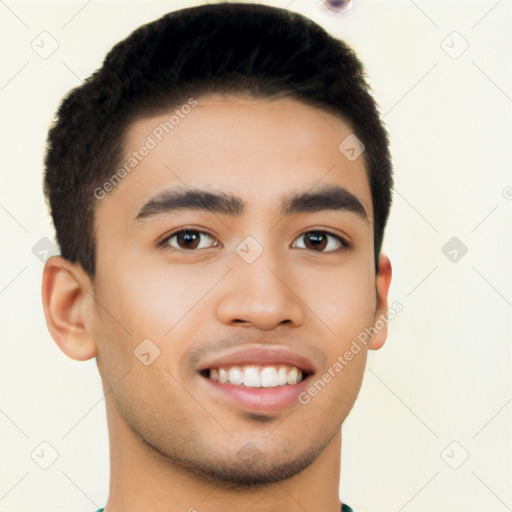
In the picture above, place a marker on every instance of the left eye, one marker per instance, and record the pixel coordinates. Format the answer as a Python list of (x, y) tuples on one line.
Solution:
[(188, 239), (320, 241)]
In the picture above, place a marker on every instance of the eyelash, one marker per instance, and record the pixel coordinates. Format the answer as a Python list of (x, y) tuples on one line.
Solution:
[(164, 244)]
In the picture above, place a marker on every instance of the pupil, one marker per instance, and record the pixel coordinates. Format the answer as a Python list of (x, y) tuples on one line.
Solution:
[(318, 240), (188, 238)]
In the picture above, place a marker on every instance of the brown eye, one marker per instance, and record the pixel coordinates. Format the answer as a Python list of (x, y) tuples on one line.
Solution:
[(320, 240), (190, 239)]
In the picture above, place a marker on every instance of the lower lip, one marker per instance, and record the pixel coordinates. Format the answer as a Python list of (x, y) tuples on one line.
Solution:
[(260, 399)]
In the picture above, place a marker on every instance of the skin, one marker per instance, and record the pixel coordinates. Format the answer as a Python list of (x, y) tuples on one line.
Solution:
[(173, 443)]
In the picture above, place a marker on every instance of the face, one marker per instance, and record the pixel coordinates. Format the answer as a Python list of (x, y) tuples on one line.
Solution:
[(268, 268)]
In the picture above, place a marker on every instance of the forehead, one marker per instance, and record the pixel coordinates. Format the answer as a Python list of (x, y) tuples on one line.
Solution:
[(256, 149)]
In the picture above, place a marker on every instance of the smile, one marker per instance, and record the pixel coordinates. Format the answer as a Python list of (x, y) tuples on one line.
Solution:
[(256, 376)]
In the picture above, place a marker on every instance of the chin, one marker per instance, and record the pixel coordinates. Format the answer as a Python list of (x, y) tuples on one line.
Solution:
[(248, 467)]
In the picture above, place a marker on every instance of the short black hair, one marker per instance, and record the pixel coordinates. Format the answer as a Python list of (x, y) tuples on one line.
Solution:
[(235, 49)]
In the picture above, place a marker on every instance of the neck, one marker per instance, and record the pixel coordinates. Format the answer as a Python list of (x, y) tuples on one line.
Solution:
[(142, 478)]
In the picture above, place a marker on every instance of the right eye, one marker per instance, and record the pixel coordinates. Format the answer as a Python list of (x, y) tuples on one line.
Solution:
[(188, 240)]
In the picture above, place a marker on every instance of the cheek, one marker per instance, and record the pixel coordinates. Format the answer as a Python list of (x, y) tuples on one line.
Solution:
[(344, 302), (148, 301), (344, 299)]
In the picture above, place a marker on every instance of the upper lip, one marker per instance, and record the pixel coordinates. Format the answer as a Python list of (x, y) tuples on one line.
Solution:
[(260, 355)]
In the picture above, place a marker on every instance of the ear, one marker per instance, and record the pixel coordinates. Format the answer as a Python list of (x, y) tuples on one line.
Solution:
[(68, 301), (383, 281)]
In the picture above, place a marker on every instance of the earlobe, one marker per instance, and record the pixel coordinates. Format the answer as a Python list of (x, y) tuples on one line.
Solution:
[(383, 282), (67, 300)]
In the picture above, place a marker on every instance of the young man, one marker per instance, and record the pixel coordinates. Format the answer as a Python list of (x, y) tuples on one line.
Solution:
[(220, 189)]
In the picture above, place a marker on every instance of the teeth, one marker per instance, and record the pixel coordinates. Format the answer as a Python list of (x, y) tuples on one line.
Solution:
[(252, 377), (292, 376), (256, 376), (281, 376), (235, 375), (268, 377), (223, 375)]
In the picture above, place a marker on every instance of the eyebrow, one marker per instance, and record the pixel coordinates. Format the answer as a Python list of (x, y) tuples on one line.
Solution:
[(327, 198)]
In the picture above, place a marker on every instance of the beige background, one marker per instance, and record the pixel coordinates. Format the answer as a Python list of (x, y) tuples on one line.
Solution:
[(438, 392)]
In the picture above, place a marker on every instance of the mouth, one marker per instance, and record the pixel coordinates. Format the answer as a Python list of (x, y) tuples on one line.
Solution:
[(253, 376), (257, 378)]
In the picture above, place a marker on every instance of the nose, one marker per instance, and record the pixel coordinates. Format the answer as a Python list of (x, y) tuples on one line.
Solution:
[(260, 294)]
